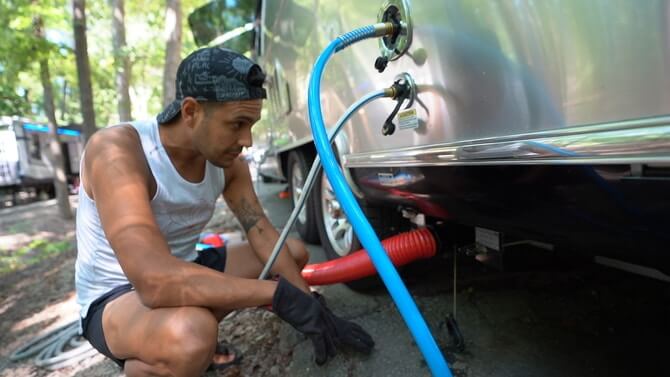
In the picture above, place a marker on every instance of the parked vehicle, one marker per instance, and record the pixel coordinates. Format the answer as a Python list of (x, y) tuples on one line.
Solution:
[(24, 155), (544, 122)]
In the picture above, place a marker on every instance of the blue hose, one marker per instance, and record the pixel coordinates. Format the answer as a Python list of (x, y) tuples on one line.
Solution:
[(406, 305)]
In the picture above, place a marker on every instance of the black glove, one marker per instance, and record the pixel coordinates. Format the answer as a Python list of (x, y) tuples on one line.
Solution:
[(307, 315), (348, 333)]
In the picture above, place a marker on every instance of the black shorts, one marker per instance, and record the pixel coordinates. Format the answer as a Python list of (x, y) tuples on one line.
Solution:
[(214, 258)]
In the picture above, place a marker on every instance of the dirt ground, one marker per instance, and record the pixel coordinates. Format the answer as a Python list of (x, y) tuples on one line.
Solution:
[(38, 297)]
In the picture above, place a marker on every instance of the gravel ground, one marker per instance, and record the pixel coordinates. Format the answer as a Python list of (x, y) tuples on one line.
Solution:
[(40, 298)]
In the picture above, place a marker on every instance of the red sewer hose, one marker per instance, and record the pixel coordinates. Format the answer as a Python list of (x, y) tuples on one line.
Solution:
[(402, 248)]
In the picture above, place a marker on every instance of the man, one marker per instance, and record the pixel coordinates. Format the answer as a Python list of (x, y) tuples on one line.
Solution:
[(149, 301)]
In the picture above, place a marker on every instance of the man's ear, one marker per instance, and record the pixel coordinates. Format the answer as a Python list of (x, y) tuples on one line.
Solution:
[(190, 110)]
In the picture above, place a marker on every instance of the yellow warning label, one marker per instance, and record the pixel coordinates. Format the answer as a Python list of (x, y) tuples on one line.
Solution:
[(407, 119)]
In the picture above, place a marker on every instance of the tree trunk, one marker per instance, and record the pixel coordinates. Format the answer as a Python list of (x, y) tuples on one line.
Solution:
[(83, 67), (56, 153), (172, 49), (122, 62)]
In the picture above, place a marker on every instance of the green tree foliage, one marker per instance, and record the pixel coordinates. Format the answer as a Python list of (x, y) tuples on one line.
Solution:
[(20, 89), (20, 52)]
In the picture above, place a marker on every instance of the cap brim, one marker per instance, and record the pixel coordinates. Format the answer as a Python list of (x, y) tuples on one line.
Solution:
[(169, 113)]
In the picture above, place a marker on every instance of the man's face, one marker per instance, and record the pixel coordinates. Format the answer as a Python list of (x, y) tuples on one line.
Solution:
[(224, 129)]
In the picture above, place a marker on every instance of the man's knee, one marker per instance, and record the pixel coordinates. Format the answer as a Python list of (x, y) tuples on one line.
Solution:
[(298, 251), (192, 332)]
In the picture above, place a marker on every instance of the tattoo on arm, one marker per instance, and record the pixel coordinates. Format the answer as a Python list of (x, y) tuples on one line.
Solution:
[(248, 214)]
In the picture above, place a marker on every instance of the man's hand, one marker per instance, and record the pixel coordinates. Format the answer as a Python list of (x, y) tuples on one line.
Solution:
[(348, 333), (307, 314)]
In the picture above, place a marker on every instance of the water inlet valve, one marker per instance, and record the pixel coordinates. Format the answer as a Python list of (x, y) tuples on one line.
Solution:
[(404, 89), (394, 44)]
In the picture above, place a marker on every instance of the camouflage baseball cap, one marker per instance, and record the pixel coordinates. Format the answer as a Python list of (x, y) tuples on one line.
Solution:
[(218, 75)]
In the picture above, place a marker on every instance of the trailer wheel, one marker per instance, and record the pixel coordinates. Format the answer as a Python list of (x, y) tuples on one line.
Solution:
[(335, 230), (297, 174)]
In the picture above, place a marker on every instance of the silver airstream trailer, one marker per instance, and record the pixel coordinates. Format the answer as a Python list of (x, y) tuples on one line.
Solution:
[(542, 121)]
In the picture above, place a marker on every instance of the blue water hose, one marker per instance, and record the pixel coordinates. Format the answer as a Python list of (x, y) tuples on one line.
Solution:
[(406, 305)]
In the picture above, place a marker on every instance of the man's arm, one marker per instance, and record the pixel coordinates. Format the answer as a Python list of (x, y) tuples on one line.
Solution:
[(118, 178), (292, 301), (241, 198)]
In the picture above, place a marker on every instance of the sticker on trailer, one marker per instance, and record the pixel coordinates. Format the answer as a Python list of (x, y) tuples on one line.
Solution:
[(386, 179), (395, 180), (488, 238), (407, 120)]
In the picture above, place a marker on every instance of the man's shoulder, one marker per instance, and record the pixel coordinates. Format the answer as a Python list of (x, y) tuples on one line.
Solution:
[(121, 136), (120, 144), (114, 149)]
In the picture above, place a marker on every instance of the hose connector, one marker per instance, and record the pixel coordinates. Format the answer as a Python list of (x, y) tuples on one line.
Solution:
[(390, 29), (401, 90), (383, 29)]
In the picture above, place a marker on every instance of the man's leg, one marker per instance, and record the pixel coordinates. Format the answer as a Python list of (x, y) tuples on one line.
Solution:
[(176, 341), (159, 342)]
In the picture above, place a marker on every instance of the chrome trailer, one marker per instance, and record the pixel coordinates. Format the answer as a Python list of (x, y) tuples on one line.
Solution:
[(533, 121)]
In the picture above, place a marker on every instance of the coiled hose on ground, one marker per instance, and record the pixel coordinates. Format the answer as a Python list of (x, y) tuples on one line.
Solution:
[(56, 349)]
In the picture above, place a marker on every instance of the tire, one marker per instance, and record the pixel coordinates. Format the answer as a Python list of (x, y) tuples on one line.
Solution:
[(305, 224), (337, 235)]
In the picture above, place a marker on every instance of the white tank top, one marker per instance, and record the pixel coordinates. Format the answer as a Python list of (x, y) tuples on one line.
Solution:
[(181, 208)]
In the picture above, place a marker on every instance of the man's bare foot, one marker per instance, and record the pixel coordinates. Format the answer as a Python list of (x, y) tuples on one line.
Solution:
[(224, 356)]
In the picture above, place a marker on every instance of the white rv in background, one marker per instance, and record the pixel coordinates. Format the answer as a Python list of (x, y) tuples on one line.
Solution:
[(25, 163)]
